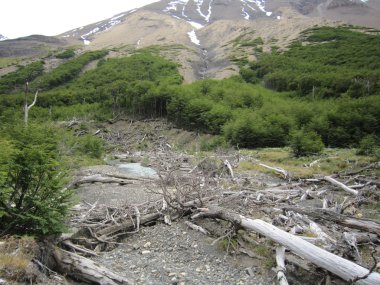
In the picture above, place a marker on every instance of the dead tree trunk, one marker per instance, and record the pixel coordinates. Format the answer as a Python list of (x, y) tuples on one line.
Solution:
[(341, 267), (26, 106), (341, 185), (366, 225), (84, 269)]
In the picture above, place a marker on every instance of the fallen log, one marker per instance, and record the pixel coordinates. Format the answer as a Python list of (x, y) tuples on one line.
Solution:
[(341, 185), (103, 234), (101, 179), (341, 267), (281, 269), (84, 269), (279, 170), (366, 225)]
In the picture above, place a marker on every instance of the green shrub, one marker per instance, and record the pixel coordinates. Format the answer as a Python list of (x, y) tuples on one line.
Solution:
[(32, 200), (304, 143), (69, 53), (92, 146), (367, 146)]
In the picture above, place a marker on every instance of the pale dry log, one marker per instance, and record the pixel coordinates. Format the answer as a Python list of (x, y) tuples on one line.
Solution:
[(86, 270), (103, 234), (281, 269), (196, 228), (350, 239), (279, 170), (365, 238), (69, 244), (311, 164), (227, 164), (316, 229), (367, 225), (341, 185), (341, 267), (164, 209), (129, 177), (101, 179)]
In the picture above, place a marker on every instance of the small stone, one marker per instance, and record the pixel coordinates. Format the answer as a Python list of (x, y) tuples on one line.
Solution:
[(208, 267), (199, 269), (250, 271), (135, 246), (145, 252), (132, 267), (183, 274), (148, 244), (174, 281), (172, 274), (3, 282)]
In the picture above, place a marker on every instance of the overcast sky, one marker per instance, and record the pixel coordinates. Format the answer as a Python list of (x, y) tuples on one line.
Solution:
[(52, 17)]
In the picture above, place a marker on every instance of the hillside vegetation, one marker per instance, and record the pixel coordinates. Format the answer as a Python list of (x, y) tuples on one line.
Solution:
[(326, 90), (324, 62)]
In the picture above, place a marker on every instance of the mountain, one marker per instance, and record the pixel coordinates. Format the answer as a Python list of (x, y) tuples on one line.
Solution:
[(3, 38), (206, 29), (34, 45), (207, 37)]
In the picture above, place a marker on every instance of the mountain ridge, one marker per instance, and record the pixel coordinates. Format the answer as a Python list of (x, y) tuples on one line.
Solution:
[(206, 30)]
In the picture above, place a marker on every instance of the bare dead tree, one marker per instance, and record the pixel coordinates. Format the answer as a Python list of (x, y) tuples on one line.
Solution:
[(26, 106)]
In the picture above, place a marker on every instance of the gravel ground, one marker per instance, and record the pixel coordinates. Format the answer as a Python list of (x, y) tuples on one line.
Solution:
[(175, 254)]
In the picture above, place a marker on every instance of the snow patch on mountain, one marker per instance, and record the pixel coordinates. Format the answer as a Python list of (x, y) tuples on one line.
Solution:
[(195, 25), (260, 4), (245, 14), (193, 37), (172, 5), (199, 9)]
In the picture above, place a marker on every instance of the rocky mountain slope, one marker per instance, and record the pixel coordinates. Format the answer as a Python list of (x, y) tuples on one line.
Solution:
[(34, 45), (201, 34)]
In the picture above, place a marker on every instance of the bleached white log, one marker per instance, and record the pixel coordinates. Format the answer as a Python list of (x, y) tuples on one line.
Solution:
[(86, 270), (279, 170), (196, 228), (227, 164), (341, 267), (281, 269), (341, 185), (100, 179)]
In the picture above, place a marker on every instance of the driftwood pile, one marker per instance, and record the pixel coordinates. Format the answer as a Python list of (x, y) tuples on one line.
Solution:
[(311, 221)]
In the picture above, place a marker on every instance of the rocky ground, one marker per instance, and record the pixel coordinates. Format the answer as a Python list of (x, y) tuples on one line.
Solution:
[(175, 254)]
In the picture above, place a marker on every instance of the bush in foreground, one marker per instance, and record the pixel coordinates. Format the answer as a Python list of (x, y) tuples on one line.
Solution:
[(31, 197)]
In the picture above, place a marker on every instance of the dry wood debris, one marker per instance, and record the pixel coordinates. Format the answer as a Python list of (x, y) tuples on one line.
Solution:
[(309, 220)]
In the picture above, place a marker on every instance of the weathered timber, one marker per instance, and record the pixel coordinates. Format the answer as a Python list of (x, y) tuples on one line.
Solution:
[(339, 266), (84, 269), (366, 225), (341, 185)]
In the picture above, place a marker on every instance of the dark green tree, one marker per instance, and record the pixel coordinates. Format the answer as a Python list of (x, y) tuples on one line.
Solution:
[(32, 197)]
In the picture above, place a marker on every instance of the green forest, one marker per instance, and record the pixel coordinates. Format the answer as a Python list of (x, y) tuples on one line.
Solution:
[(325, 85)]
